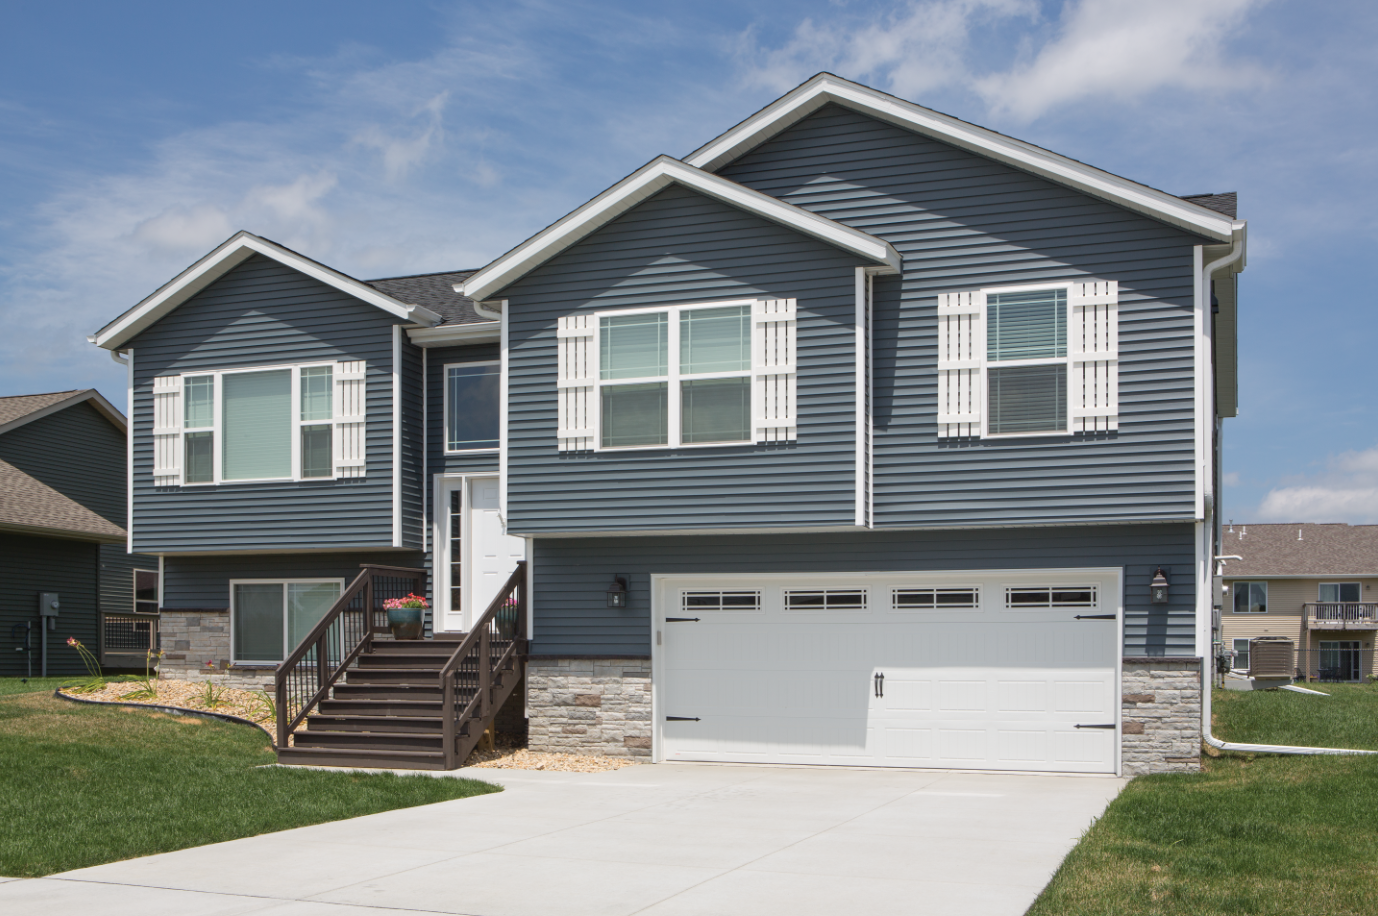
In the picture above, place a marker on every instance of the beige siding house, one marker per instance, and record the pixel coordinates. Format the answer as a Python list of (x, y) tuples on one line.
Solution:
[(1316, 584)]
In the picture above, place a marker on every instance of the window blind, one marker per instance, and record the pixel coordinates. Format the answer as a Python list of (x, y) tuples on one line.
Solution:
[(715, 340), (634, 346), (1027, 399), (1029, 325), (257, 427)]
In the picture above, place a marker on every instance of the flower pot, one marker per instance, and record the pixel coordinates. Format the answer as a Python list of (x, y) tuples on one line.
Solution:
[(406, 622)]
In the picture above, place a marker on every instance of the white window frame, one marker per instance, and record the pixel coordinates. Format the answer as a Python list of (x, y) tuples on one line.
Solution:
[(217, 427), (673, 378), (1234, 592), (286, 649), (986, 364), (445, 415), (158, 589), (1321, 585)]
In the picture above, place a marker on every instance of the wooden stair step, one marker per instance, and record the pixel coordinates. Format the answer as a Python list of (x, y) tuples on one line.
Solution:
[(419, 725), (368, 741), (365, 706), (377, 759), (388, 692)]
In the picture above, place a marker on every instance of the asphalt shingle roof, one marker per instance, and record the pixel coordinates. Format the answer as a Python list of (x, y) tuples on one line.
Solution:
[(21, 405), (435, 292), (29, 503), (1226, 203), (1322, 550)]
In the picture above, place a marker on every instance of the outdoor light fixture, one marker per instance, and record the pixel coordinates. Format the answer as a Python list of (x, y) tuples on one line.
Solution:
[(617, 591), (1157, 589)]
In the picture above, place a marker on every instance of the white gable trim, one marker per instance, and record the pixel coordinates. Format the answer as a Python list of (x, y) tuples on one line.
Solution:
[(239, 248), (109, 410), (641, 185), (825, 88)]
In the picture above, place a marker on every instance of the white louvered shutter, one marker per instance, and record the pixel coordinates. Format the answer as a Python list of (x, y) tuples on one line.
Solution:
[(351, 405), (774, 409), (167, 431), (1094, 347), (961, 342), (577, 364)]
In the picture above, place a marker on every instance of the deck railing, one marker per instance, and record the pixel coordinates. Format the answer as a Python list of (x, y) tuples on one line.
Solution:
[(490, 653), (126, 639), (1342, 613), (342, 635)]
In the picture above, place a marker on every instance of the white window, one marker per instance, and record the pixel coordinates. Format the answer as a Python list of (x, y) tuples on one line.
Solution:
[(1250, 597), (1028, 360), (300, 422), (146, 599), (1241, 654), (690, 375), (269, 618), (472, 402), (1340, 593)]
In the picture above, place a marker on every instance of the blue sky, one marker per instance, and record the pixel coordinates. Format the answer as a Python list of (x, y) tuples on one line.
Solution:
[(386, 139)]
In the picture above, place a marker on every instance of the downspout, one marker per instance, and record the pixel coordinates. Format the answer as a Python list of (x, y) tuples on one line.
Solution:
[(119, 357), (1236, 252)]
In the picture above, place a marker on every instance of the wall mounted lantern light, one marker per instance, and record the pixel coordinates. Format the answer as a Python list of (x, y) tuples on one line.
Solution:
[(1157, 589), (617, 591)]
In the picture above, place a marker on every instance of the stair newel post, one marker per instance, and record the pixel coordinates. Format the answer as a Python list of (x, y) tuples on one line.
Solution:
[(447, 725), (485, 669), (280, 697), (368, 603)]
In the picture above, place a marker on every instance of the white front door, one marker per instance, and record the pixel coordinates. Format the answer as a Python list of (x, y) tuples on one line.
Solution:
[(473, 556)]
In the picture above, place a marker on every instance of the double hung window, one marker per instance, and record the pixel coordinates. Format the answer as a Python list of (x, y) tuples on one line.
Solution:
[(472, 404), (1251, 597), (269, 619), (681, 376), (1026, 354)]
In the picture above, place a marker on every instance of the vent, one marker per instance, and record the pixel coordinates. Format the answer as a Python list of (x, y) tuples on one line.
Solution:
[(935, 599), (1271, 656), (718, 600), (825, 599), (1032, 598)]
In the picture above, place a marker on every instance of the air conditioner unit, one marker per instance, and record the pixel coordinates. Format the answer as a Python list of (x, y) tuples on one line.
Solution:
[(1272, 656)]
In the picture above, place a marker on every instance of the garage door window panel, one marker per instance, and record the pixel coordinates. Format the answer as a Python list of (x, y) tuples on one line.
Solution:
[(825, 599), (936, 599), (1041, 597)]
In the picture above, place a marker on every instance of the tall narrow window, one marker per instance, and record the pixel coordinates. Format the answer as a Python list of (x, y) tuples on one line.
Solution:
[(635, 347), (471, 406), (715, 370), (1026, 352), (456, 546), (317, 410), (257, 423), (199, 398), (145, 591)]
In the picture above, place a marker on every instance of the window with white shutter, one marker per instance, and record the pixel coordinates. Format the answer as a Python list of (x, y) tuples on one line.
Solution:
[(351, 405), (1029, 360), (775, 411), (167, 431), (577, 366)]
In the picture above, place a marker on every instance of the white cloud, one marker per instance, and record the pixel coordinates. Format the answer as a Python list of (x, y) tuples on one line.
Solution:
[(1346, 491), (1122, 50), (1230, 479)]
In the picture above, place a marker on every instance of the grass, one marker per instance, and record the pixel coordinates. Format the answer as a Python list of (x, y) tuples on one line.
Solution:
[(1251, 834), (13, 685), (83, 785)]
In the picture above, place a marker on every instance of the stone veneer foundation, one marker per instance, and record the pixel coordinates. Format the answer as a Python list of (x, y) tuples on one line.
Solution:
[(191, 638), (599, 706), (1161, 715)]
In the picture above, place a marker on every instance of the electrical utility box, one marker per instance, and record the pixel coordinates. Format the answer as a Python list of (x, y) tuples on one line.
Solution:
[(48, 604)]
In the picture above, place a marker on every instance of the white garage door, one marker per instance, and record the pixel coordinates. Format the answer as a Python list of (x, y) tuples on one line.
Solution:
[(1009, 671)]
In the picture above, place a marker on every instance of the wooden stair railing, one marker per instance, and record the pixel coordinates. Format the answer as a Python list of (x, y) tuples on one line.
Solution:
[(484, 670), (342, 635)]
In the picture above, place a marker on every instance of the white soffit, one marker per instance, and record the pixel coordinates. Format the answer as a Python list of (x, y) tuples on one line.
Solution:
[(641, 185), (238, 249), (825, 88), (447, 335)]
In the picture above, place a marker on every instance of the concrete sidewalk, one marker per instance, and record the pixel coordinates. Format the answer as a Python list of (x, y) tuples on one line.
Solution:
[(660, 840)]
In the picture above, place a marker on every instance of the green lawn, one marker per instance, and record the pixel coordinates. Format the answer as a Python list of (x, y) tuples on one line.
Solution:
[(12, 685), (1252, 834), (81, 785)]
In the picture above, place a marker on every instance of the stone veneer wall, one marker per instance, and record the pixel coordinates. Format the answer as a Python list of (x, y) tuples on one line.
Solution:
[(1161, 715), (598, 706), (190, 638)]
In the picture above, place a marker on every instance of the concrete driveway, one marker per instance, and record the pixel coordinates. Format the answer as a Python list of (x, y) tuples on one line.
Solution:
[(660, 840)]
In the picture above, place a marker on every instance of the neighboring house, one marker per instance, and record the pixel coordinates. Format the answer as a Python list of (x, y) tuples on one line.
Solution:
[(885, 420), (1312, 583), (62, 514)]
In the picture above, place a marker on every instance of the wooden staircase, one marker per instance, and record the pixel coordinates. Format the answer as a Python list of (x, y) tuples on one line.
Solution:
[(398, 704)]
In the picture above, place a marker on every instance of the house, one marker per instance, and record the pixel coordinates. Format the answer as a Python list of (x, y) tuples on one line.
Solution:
[(62, 538), (856, 436), (1311, 583)]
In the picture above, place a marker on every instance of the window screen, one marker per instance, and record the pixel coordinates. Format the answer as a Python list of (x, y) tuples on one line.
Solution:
[(257, 425)]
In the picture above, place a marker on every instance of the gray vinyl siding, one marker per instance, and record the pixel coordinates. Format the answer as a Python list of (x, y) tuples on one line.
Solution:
[(260, 314), (204, 582), (964, 222), (76, 451), (30, 565), (572, 574), (680, 247), (413, 445), (117, 577)]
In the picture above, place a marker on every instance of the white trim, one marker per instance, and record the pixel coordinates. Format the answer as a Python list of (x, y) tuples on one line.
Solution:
[(229, 255), (871, 399), (502, 429), (825, 88), (445, 408), (1200, 300), (450, 335), (286, 649), (641, 185), (162, 572), (442, 486), (397, 435), (491, 310), (862, 407), (108, 410)]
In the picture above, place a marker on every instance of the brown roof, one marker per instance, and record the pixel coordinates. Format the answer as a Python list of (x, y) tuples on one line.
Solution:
[(1321, 550), (27, 504), (12, 408)]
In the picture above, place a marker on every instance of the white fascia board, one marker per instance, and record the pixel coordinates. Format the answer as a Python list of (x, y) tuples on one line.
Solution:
[(452, 335), (826, 88), (641, 185), (239, 248), (109, 410)]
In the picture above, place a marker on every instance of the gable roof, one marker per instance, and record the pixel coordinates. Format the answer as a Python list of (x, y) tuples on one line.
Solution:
[(30, 506), (826, 88), (1322, 550), (17, 410), (229, 255), (435, 292), (642, 184), (1226, 203)]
